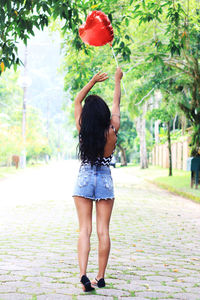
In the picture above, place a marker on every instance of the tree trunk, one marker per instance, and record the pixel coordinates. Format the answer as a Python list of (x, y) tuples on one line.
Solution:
[(123, 156), (157, 99), (183, 123), (169, 147), (141, 131), (156, 131), (174, 123)]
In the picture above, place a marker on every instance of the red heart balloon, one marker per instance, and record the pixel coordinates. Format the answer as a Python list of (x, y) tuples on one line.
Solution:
[(97, 30)]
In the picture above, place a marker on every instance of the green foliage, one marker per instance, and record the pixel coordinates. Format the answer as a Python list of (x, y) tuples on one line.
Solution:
[(195, 141), (36, 141), (19, 19), (127, 134), (171, 52), (175, 136), (11, 119), (159, 114)]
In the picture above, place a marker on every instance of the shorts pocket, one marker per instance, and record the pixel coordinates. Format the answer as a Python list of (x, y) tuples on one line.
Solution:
[(108, 182), (83, 180)]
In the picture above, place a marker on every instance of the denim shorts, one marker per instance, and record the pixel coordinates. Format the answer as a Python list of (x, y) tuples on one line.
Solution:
[(94, 183)]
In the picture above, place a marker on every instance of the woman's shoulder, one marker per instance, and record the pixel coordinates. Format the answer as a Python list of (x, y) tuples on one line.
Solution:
[(115, 121), (112, 135), (113, 129)]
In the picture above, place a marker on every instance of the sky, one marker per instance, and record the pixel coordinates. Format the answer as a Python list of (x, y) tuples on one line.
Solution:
[(43, 61)]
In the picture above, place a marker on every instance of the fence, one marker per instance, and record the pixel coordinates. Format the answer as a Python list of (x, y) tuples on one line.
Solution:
[(180, 154)]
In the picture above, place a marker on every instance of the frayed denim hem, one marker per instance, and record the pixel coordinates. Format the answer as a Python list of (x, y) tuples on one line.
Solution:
[(94, 199)]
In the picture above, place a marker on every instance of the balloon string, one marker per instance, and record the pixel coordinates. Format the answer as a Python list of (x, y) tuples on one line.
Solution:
[(115, 57), (118, 67)]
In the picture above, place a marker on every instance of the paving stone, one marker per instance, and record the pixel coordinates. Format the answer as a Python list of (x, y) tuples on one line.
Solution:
[(94, 297), (193, 290), (3, 272), (132, 287), (69, 291), (54, 297), (162, 288), (21, 283), (186, 296), (37, 279), (133, 298), (181, 284), (55, 274), (190, 279), (34, 290), (151, 294), (5, 278), (24, 273), (4, 288), (115, 281), (54, 285), (13, 296), (113, 292), (174, 298), (159, 278)]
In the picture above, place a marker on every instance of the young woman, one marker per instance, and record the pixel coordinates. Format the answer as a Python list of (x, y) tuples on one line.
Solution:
[(97, 140)]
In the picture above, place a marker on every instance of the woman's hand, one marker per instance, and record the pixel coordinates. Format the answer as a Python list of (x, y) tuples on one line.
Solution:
[(99, 77), (118, 74)]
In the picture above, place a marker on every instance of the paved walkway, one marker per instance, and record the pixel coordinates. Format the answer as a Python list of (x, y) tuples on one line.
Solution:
[(155, 240)]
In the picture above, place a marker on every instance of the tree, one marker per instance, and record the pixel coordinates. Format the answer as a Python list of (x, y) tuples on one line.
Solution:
[(165, 114), (18, 20), (141, 131), (126, 136), (175, 44), (11, 119)]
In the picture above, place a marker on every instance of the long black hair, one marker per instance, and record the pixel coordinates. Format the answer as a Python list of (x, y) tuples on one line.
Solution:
[(94, 125)]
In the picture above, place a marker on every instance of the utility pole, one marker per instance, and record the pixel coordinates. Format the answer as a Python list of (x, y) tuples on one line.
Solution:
[(25, 89), (47, 129)]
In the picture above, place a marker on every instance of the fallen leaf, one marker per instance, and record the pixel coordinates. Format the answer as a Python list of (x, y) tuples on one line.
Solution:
[(2, 66), (175, 270), (94, 6), (147, 286)]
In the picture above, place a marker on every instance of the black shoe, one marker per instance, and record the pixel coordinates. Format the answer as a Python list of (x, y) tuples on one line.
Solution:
[(100, 283), (87, 284)]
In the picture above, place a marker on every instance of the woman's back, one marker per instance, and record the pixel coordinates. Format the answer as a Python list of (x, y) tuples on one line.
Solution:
[(110, 142), (97, 129)]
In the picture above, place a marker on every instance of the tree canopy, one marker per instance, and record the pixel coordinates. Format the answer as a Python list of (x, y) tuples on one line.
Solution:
[(156, 43), (18, 20)]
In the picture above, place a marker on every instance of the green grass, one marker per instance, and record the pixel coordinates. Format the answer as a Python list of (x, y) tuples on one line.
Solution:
[(179, 183), (5, 171)]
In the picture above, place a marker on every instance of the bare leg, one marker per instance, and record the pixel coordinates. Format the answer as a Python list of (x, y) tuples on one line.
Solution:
[(103, 214), (84, 210)]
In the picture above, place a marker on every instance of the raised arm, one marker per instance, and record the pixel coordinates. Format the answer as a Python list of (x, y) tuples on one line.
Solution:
[(83, 93), (115, 120)]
